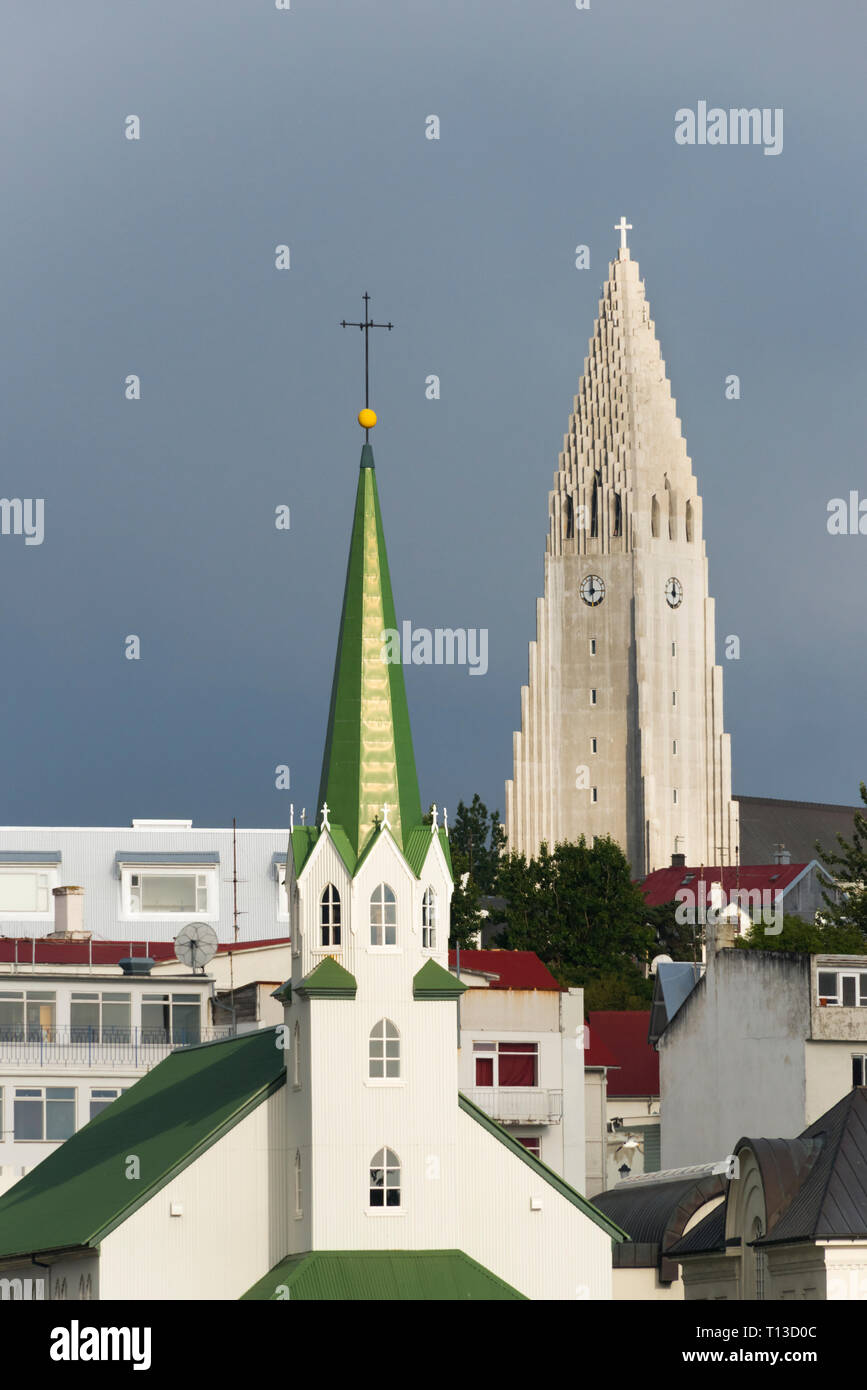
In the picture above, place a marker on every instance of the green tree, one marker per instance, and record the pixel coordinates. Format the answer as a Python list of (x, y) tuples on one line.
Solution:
[(476, 840), (806, 938), (625, 988), (846, 903), (681, 941), (577, 908)]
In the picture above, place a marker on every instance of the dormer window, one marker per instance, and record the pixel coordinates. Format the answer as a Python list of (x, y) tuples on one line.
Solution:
[(25, 887), (171, 886), (383, 916)]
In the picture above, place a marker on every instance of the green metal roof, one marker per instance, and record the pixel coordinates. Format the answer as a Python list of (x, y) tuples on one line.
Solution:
[(381, 1276), (81, 1192), (328, 980), (417, 847), (550, 1177), (368, 756), (433, 982)]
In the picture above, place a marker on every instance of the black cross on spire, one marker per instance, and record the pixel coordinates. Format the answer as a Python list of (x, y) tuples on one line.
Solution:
[(366, 326)]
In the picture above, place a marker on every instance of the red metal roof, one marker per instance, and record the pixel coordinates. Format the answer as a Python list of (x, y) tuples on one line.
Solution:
[(104, 952), (516, 969), (624, 1033), (597, 1054), (662, 885)]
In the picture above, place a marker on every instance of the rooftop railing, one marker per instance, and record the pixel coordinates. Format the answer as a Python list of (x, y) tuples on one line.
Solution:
[(72, 1048)]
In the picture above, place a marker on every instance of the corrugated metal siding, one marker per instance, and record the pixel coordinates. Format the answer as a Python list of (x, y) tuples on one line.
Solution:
[(555, 1253), (88, 859), (234, 1226)]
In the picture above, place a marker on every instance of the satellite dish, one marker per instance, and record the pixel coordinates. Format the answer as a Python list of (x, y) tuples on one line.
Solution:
[(196, 944), (657, 962)]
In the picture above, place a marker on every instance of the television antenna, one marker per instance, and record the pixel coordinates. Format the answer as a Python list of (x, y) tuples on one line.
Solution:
[(196, 944)]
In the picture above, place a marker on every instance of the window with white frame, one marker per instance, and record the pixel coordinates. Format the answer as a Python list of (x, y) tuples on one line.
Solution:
[(429, 920), (859, 1069), (843, 988), (25, 889), (531, 1142), (100, 1016), (506, 1063), (383, 1061), (44, 1113), (171, 1017), (100, 1099), (383, 916), (168, 892), (384, 1179), (299, 1209), (329, 917), (27, 1015)]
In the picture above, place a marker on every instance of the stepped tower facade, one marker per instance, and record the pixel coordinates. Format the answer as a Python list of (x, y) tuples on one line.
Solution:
[(622, 719)]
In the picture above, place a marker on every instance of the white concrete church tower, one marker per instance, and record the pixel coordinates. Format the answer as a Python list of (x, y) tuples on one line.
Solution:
[(622, 720)]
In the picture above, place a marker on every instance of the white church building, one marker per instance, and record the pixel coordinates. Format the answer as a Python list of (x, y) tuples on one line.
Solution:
[(331, 1156)]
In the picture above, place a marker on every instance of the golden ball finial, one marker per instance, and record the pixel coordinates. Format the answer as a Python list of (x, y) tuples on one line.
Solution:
[(367, 419)]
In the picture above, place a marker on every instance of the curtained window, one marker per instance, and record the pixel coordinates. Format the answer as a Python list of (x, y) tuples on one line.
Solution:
[(506, 1063)]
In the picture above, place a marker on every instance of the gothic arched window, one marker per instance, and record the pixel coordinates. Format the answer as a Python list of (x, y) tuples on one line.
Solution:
[(385, 1179), (383, 916), (429, 920), (296, 1056), (329, 917), (383, 1062)]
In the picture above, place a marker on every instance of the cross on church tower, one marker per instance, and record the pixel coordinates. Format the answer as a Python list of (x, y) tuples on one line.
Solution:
[(366, 326), (623, 227)]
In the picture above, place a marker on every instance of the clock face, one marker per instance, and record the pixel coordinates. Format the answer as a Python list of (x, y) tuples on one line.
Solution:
[(673, 593), (592, 590)]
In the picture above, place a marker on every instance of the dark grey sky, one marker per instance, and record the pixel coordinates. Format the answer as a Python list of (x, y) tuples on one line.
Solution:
[(306, 127)]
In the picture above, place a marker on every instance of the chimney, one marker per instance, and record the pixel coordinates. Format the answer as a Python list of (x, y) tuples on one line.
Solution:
[(678, 861), (782, 855), (68, 915)]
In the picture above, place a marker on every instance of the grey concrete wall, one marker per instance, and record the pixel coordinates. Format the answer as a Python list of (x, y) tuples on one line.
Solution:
[(732, 1062)]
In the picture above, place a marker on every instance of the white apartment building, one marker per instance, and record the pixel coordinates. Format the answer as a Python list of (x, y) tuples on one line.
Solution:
[(74, 1036), (521, 1057), (145, 881)]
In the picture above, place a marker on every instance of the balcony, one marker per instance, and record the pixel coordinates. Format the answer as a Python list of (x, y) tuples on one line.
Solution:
[(519, 1105), (78, 1049)]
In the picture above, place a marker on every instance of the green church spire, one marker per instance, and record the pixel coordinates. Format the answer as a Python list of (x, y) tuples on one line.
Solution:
[(368, 758)]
